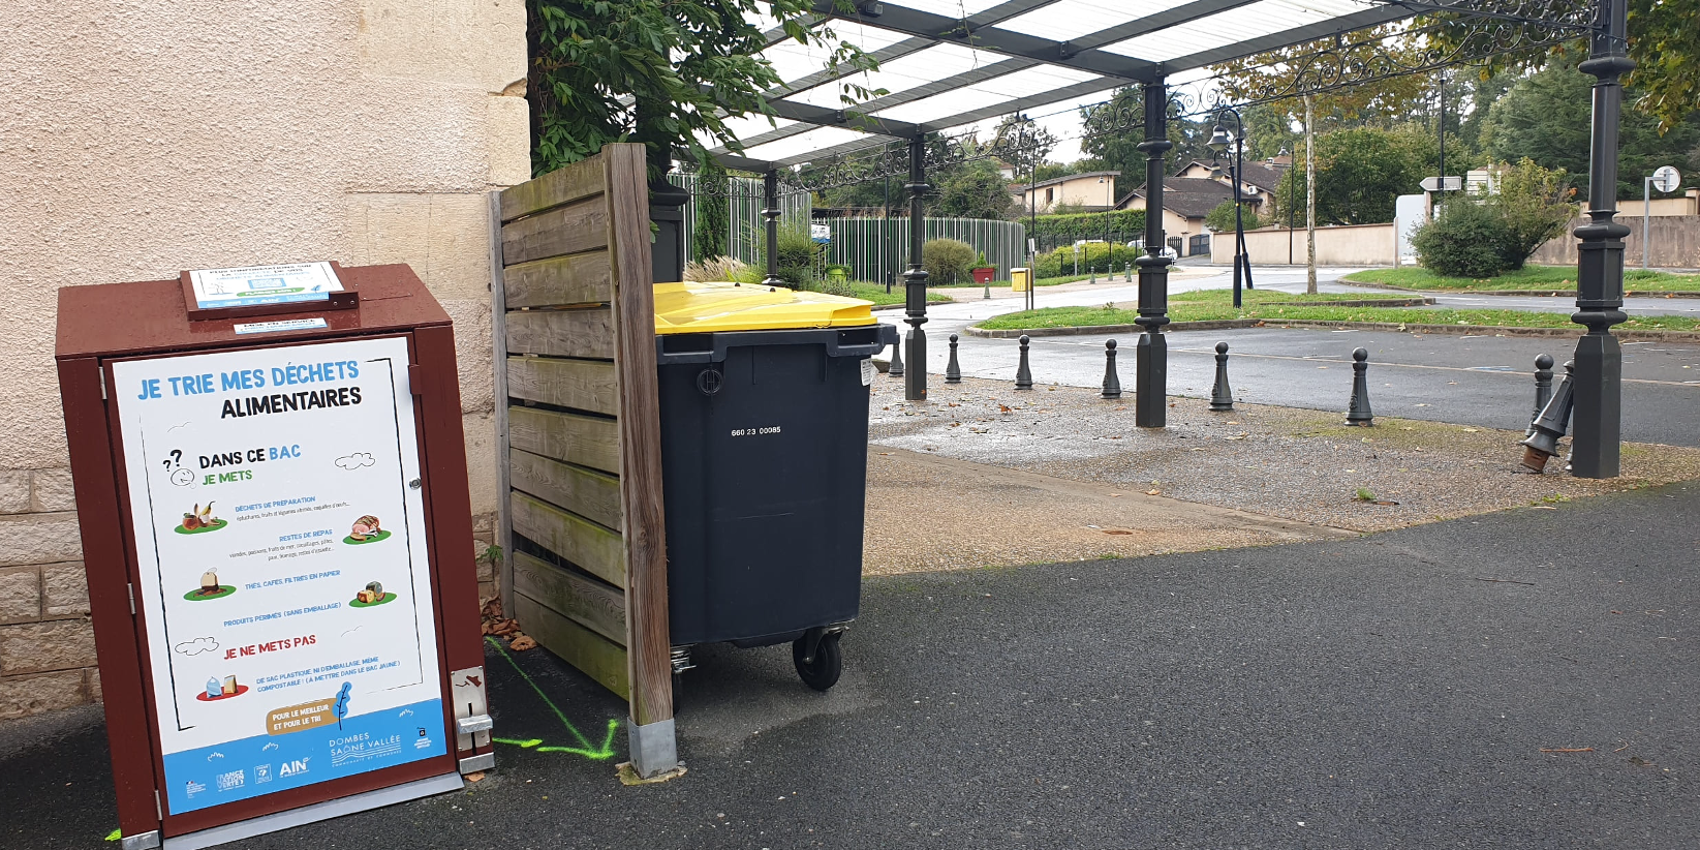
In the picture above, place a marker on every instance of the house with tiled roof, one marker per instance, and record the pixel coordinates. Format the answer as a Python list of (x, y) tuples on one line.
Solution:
[(1186, 201)]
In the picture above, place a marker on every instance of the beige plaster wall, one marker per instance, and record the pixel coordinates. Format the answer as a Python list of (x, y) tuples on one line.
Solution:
[(1347, 245), (143, 137)]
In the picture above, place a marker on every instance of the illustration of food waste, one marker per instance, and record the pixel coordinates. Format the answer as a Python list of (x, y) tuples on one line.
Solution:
[(289, 628)]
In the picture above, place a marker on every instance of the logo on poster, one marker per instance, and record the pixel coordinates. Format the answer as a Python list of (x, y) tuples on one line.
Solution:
[(291, 768), (262, 774), (232, 779)]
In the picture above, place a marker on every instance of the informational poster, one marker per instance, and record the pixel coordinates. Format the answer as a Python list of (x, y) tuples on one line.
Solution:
[(285, 584), (280, 284)]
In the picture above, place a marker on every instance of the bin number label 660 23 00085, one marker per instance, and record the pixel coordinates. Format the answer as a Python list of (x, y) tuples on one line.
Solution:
[(755, 432)]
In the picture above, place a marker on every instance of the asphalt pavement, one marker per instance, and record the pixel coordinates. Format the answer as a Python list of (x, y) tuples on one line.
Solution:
[(1528, 679), (1467, 379)]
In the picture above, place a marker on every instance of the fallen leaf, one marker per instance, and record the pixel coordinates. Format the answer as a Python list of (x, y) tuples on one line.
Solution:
[(475, 776), (1158, 493), (523, 643), (1003, 408)]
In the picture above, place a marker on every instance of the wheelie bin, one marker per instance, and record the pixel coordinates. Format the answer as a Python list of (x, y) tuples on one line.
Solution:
[(764, 441)]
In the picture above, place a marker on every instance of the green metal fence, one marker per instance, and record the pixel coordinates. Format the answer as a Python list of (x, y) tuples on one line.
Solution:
[(744, 202), (877, 249)]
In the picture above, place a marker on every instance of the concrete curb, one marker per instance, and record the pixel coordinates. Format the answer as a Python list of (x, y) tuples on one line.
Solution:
[(1522, 293), (1234, 324)]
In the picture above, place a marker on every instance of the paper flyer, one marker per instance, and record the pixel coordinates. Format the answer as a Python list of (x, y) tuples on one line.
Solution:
[(285, 582), (279, 284)]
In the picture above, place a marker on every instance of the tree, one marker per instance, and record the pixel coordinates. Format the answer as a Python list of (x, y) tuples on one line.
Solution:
[(1111, 133), (714, 211), (657, 72), (974, 189), (1028, 142), (1546, 116), (1360, 173)]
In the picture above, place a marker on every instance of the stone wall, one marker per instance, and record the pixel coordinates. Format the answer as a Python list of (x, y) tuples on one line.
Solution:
[(143, 138)]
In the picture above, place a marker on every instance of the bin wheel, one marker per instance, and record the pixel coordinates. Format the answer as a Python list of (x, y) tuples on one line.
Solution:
[(822, 673)]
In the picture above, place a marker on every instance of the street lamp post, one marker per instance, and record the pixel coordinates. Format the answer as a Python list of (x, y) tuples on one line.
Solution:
[(1219, 141)]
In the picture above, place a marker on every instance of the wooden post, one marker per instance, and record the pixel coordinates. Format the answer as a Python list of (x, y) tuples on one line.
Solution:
[(648, 649), (582, 436)]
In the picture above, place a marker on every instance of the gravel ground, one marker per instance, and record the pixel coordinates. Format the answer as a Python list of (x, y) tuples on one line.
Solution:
[(927, 512), (1299, 465)]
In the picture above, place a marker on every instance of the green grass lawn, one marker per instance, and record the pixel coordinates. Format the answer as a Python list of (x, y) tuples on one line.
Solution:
[(1555, 278), (1274, 308), (875, 292)]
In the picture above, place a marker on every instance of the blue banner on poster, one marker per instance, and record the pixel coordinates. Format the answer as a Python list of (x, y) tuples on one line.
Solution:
[(306, 744)]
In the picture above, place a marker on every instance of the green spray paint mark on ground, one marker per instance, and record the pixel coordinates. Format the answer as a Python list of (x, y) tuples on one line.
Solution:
[(585, 748)]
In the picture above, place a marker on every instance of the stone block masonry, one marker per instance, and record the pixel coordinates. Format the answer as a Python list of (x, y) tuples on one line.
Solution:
[(137, 152), (47, 656)]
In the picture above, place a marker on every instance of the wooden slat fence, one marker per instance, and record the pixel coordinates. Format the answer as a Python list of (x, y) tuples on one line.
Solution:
[(579, 430)]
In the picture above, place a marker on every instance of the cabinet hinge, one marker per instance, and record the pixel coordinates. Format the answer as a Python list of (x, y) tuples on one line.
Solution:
[(131, 588), (158, 808)]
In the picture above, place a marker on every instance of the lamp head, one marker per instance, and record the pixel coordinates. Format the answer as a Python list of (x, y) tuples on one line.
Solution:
[(1219, 139)]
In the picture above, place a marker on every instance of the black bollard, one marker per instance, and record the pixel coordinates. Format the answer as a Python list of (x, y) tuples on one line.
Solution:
[(897, 358), (1023, 374), (1543, 390), (952, 371), (1552, 424), (1112, 383), (1358, 412), (1221, 395)]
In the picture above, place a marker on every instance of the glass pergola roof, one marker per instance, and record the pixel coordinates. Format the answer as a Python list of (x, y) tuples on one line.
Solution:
[(947, 64)]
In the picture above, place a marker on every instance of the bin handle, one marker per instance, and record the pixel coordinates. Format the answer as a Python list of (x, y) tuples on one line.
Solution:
[(884, 336)]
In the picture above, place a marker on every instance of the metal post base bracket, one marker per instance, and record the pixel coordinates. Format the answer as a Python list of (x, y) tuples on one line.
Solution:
[(143, 841), (654, 749)]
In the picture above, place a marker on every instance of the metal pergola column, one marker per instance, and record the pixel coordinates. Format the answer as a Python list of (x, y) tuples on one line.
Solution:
[(1151, 363), (1599, 264), (770, 197), (915, 280)]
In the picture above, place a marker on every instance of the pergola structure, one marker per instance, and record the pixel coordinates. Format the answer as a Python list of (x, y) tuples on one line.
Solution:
[(947, 64)]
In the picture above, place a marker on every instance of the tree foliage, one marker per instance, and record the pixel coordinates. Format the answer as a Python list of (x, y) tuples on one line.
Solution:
[(713, 213), (1111, 138), (657, 72), (1029, 142), (1361, 173), (1221, 219), (1546, 116)]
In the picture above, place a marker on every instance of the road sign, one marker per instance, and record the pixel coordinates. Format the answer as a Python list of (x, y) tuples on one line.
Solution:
[(1666, 179), (1435, 184)]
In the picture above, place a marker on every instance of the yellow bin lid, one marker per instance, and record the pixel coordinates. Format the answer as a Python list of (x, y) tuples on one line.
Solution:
[(683, 308)]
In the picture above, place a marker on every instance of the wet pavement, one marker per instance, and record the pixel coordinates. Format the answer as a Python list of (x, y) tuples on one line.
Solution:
[(1469, 379), (1527, 679)]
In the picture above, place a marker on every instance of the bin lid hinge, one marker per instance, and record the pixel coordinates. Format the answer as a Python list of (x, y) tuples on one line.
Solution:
[(158, 807), (131, 589), (414, 379)]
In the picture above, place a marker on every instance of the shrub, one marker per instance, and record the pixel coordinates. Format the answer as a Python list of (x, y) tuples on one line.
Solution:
[(797, 256), (1467, 239), (1534, 204), (1100, 257), (947, 261)]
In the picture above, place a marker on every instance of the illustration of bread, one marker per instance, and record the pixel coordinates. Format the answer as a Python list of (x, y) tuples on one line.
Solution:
[(365, 527)]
